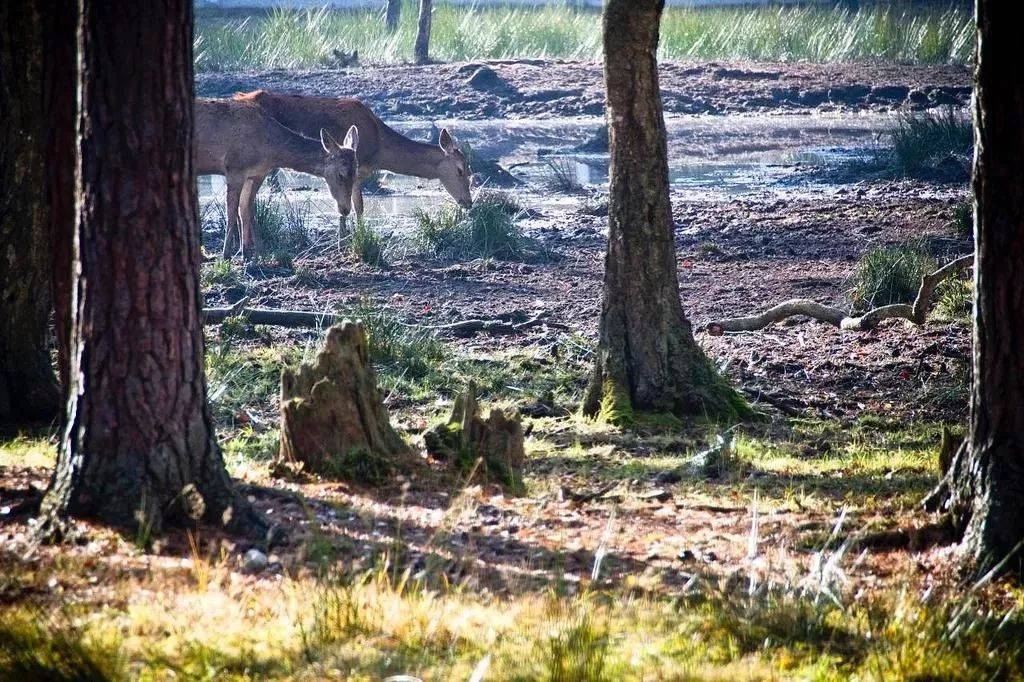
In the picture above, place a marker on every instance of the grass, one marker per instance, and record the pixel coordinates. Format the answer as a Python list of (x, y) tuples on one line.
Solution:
[(921, 144), (955, 300), (369, 245), (306, 39), (890, 274), (282, 226), (560, 176), (484, 231), (963, 219)]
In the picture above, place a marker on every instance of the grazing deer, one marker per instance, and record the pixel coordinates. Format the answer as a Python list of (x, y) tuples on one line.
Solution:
[(380, 147), (239, 141)]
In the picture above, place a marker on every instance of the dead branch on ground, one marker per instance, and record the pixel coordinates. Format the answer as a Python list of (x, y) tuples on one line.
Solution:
[(915, 313)]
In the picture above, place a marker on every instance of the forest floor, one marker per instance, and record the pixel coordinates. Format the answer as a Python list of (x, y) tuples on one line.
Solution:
[(806, 555)]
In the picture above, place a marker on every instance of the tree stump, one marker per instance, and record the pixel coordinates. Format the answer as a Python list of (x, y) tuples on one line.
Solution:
[(332, 415), (466, 437)]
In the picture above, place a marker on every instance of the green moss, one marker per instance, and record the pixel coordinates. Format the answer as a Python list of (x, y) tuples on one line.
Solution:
[(616, 407), (360, 466)]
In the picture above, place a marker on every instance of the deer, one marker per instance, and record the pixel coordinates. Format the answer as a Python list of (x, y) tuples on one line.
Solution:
[(380, 148), (238, 140)]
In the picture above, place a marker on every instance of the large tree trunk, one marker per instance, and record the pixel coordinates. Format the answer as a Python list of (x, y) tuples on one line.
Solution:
[(421, 50), (647, 357), (985, 485), (392, 14), (139, 448), (60, 22), (28, 390)]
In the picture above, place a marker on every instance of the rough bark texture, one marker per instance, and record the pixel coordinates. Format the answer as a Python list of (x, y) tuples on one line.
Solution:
[(28, 389), (421, 49), (647, 357), (985, 484), (139, 447), (392, 14), (498, 441), (60, 22), (331, 409)]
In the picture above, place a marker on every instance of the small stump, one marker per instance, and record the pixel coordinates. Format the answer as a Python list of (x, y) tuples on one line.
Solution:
[(496, 441), (333, 420)]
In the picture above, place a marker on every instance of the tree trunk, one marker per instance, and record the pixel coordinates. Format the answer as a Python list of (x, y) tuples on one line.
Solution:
[(60, 21), (421, 50), (28, 390), (985, 484), (647, 357), (392, 15), (139, 448)]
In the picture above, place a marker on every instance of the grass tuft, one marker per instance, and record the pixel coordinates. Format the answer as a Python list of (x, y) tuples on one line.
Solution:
[(484, 231), (891, 274), (282, 227), (369, 245), (923, 145), (560, 176)]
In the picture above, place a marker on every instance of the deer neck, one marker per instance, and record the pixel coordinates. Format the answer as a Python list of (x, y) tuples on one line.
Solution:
[(299, 154), (401, 155)]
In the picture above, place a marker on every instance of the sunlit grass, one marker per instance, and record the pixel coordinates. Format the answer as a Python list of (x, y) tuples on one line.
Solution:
[(305, 39)]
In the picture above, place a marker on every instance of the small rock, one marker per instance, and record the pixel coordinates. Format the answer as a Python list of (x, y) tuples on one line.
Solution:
[(254, 561)]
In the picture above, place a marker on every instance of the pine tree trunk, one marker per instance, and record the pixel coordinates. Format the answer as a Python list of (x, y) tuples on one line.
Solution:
[(647, 357), (28, 390), (986, 484), (60, 21), (421, 50), (392, 14), (139, 450)]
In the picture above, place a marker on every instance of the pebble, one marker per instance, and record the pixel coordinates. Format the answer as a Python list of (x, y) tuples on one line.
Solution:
[(254, 561)]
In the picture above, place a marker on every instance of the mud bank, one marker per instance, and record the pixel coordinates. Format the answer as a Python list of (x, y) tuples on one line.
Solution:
[(551, 88)]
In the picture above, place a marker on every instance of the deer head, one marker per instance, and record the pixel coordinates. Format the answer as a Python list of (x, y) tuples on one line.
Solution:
[(340, 167), (453, 170)]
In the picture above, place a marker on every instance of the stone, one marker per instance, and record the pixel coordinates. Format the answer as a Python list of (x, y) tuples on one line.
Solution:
[(254, 561)]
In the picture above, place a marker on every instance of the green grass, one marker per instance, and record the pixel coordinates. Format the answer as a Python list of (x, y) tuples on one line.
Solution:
[(890, 274), (921, 143), (560, 176), (283, 226), (484, 231), (369, 245), (305, 39)]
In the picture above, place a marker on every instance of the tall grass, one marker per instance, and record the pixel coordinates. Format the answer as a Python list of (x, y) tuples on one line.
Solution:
[(305, 39)]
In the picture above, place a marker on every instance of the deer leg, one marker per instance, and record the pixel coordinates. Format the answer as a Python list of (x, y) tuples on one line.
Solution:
[(231, 231), (357, 191), (247, 213)]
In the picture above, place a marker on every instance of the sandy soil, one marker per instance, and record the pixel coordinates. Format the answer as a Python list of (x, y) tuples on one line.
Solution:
[(543, 88)]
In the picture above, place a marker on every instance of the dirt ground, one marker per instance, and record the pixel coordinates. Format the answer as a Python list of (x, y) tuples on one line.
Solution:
[(546, 88)]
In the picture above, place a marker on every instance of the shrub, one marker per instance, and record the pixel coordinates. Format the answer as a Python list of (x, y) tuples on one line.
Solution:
[(891, 274)]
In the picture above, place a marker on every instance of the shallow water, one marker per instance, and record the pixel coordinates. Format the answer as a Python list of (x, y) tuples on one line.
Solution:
[(709, 157)]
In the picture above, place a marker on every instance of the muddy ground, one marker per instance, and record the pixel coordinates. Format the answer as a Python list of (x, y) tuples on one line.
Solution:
[(543, 88)]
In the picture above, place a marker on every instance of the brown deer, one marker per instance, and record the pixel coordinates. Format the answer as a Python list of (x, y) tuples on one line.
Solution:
[(238, 140), (380, 147)]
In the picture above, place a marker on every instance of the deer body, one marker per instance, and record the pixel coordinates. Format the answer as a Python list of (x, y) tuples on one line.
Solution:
[(380, 147), (239, 141)]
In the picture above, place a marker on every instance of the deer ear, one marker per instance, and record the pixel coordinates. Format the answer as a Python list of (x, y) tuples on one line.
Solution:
[(328, 142), (352, 138), (447, 141)]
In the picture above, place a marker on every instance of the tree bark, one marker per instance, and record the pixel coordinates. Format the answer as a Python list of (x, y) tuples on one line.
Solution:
[(985, 483), (60, 22), (647, 357), (28, 390), (139, 449), (421, 50), (392, 14)]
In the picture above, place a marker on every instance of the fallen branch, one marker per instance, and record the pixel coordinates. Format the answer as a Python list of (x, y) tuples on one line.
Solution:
[(916, 312), (301, 318)]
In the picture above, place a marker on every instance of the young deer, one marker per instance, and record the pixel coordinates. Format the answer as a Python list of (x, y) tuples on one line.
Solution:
[(239, 141), (380, 148)]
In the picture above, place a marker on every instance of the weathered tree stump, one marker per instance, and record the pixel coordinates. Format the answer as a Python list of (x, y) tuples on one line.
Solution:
[(466, 437), (332, 415)]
